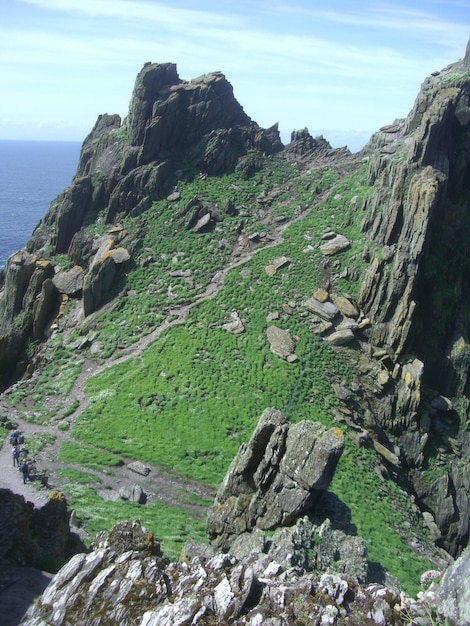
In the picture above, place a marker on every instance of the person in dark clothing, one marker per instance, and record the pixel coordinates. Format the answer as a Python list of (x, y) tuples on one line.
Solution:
[(15, 453), (24, 469)]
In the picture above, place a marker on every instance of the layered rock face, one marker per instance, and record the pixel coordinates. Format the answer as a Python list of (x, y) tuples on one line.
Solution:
[(416, 289)]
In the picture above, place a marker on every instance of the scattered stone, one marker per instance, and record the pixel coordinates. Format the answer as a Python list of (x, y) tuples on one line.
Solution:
[(139, 468), (342, 393), (340, 337), (281, 261), (272, 316), (201, 223), (174, 197), (235, 325), (338, 244), (133, 493), (180, 273), (347, 308), (321, 295), (280, 341), (387, 454), (325, 310)]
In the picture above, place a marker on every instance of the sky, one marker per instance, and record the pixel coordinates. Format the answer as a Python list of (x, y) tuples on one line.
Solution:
[(340, 68)]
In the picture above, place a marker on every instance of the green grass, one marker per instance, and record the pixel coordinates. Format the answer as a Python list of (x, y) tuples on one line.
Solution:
[(171, 526), (383, 515), (37, 442), (78, 477), (87, 456)]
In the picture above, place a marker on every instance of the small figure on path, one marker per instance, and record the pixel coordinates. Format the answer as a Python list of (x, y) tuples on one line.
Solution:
[(14, 438), (15, 453), (24, 469)]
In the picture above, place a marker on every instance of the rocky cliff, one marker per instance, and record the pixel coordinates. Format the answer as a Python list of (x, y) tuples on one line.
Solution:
[(415, 290), (405, 332), (124, 166)]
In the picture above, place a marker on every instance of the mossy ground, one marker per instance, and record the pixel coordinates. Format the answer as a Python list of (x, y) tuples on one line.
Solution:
[(196, 393)]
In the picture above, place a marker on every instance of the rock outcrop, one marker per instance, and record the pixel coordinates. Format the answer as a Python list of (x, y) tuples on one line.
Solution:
[(29, 535), (419, 168), (302, 574), (275, 478)]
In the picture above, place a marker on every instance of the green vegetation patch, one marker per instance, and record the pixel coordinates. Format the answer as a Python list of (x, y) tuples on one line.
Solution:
[(87, 456), (78, 477), (171, 526)]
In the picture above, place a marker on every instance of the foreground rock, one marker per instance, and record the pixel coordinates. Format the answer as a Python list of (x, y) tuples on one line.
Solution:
[(275, 478), (29, 535), (125, 580)]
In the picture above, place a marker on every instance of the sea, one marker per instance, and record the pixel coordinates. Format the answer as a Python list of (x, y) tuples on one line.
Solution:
[(32, 174)]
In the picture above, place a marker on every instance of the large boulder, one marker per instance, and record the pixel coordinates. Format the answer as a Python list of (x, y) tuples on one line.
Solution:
[(275, 478), (453, 593)]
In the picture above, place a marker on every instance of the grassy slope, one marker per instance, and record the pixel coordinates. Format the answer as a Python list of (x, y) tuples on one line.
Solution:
[(197, 392)]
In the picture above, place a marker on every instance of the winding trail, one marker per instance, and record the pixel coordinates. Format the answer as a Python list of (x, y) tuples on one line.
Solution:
[(161, 484)]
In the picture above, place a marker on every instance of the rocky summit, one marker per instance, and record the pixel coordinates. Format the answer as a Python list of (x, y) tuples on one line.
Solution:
[(197, 274)]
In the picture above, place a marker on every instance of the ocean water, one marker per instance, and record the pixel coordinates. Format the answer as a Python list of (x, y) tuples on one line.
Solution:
[(32, 174)]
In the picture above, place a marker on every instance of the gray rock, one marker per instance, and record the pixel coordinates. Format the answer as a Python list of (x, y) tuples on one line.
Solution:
[(340, 337), (325, 310), (453, 593), (139, 468), (70, 282), (346, 306), (202, 223), (280, 341), (133, 493), (235, 325), (335, 245), (275, 478)]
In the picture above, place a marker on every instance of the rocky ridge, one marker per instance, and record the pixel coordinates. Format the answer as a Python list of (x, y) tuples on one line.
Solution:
[(412, 346)]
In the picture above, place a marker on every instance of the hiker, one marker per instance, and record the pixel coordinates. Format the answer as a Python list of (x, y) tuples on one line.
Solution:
[(24, 469), (15, 453), (14, 438)]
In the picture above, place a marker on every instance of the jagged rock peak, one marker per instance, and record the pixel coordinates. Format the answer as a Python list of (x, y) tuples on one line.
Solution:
[(166, 112), (466, 59)]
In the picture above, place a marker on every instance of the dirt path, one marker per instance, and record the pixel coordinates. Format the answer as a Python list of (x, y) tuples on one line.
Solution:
[(160, 484)]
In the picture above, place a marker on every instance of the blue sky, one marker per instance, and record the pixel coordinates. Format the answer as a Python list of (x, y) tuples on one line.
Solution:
[(339, 68)]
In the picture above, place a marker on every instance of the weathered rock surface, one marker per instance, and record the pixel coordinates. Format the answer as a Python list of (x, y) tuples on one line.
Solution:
[(453, 593), (28, 535), (275, 478), (307, 574), (281, 342)]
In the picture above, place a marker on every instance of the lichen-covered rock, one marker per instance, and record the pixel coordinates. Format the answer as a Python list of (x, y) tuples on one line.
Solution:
[(294, 582), (275, 478), (453, 593)]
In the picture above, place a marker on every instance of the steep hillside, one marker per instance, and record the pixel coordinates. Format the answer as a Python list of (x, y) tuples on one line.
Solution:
[(203, 272)]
